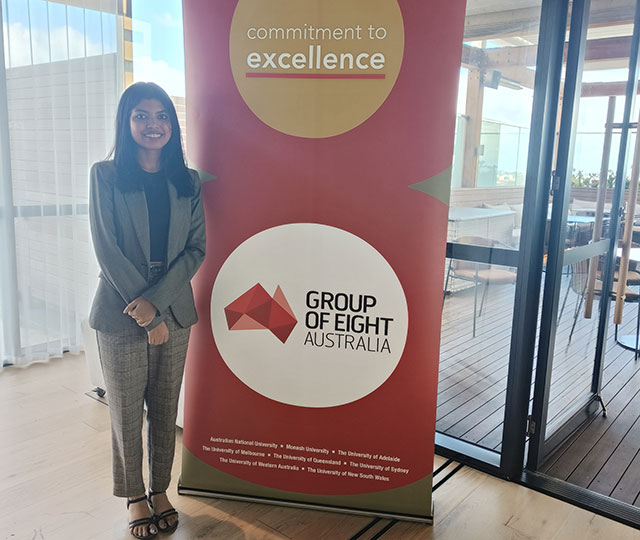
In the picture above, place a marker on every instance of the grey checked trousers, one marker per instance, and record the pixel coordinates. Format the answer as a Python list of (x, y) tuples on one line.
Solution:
[(134, 373)]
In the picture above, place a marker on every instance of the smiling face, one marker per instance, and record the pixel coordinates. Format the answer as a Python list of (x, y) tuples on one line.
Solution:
[(150, 125)]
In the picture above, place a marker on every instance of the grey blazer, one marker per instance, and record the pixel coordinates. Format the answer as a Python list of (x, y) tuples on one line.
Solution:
[(120, 231)]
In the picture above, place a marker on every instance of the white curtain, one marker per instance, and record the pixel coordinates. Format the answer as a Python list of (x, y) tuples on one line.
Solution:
[(66, 63), (63, 75)]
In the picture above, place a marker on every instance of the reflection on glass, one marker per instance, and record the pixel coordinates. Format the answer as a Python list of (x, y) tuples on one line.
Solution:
[(495, 98), (503, 162), (575, 343)]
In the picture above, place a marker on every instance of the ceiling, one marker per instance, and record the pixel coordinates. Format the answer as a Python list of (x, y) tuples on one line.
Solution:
[(516, 22)]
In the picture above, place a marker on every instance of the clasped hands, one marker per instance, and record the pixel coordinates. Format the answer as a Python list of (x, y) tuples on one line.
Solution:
[(142, 311)]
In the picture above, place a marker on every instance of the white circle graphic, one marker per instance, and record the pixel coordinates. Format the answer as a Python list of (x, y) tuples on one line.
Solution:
[(348, 306)]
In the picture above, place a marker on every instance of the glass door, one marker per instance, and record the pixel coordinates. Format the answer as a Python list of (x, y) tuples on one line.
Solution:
[(581, 232), (493, 123), (523, 366)]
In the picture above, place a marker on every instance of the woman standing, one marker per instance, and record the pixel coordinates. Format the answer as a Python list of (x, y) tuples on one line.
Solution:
[(148, 232)]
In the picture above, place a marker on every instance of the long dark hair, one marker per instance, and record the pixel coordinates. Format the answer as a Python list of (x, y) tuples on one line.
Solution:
[(172, 162)]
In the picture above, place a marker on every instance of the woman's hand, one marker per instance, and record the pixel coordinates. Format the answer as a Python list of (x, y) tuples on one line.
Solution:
[(141, 310), (159, 334)]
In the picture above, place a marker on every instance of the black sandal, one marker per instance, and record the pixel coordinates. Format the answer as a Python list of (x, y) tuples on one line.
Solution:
[(148, 521), (169, 529)]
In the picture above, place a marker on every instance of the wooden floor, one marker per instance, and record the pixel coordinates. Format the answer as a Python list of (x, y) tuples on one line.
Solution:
[(55, 484), (605, 456)]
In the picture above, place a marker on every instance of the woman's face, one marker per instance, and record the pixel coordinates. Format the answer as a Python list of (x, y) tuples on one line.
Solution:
[(150, 125)]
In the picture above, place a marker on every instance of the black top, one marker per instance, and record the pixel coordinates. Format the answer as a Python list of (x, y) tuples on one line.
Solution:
[(157, 194)]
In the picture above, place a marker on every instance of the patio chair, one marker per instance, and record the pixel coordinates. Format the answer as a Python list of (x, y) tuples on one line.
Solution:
[(478, 273), (633, 276), (579, 281), (578, 284)]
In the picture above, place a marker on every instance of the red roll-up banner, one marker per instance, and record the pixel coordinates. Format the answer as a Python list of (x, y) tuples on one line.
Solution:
[(328, 125)]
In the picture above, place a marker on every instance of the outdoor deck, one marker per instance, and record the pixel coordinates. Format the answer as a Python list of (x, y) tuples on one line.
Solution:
[(605, 455)]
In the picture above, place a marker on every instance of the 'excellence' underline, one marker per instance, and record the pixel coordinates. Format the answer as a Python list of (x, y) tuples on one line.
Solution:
[(254, 75)]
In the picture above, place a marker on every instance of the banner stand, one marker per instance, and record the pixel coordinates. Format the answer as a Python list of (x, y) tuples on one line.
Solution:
[(292, 504), (312, 375), (412, 502)]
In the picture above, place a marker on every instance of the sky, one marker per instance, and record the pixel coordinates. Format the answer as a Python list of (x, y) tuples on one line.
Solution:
[(158, 44), (37, 31)]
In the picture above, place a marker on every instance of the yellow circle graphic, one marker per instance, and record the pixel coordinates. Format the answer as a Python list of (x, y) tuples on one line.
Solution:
[(316, 68)]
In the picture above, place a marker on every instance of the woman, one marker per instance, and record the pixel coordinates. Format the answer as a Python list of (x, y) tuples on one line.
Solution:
[(148, 231)]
